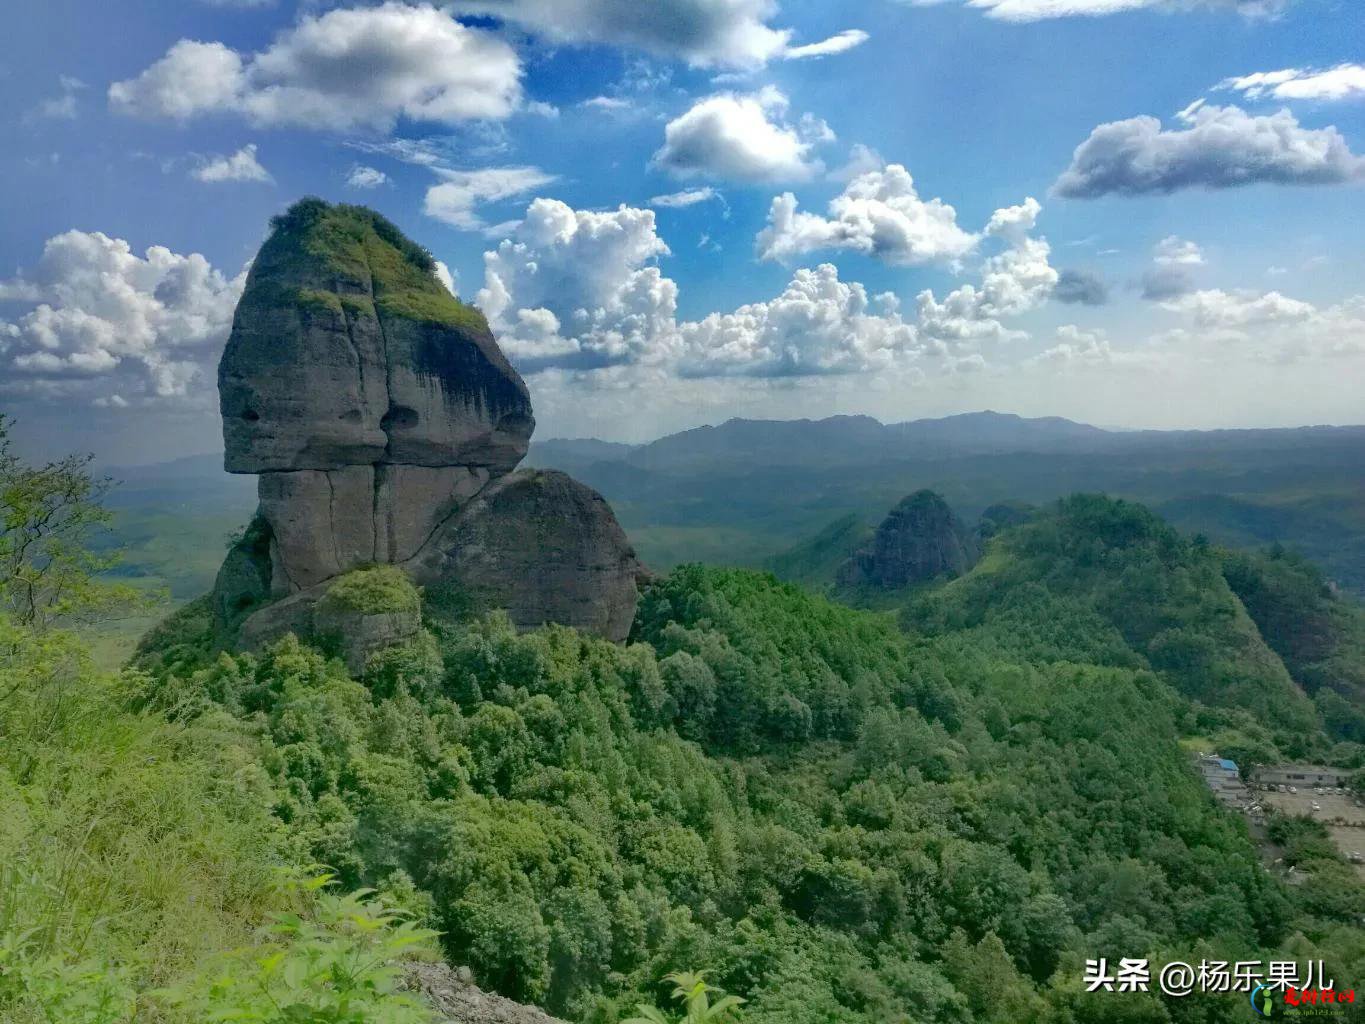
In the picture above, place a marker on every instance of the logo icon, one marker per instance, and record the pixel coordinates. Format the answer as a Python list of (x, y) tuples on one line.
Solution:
[(1263, 1001)]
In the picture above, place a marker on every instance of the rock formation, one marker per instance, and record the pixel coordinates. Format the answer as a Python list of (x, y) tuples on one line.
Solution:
[(919, 540), (384, 423), (453, 996)]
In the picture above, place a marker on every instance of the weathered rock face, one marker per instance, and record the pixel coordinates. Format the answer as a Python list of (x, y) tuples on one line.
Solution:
[(452, 994), (376, 407), (347, 351), (544, 547), (920, 540)]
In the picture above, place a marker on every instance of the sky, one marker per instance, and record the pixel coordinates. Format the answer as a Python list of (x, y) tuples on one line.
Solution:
[(1134, 213)]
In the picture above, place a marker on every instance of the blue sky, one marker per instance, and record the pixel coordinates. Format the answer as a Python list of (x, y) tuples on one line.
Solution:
[(1132, 212)]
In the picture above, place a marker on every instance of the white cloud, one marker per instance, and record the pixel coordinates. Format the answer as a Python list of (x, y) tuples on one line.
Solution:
[(571, 287), (446, 278), (1077, 347), (455, 200), (240, 166), (1171, 276), (1268, 326), (1013, 282), (577, 289), (819, 325), (879, 213), (1174, 251), (344, 69), (1217, 308), (687, 197), (1039, 10), (861, 160), (610, 104), (106, 315), (61, 107), (361, 176), (742, 136), (705, 33), (1345, 81), (1219, 147), (841, 43)]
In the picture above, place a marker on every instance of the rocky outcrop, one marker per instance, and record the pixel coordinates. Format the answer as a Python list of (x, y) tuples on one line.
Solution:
[(347, 351), (451, 992), (919, 540), (544, 547), (376, 408)]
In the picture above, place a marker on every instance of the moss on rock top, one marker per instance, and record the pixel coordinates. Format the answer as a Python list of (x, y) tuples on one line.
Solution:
[(320, 254)]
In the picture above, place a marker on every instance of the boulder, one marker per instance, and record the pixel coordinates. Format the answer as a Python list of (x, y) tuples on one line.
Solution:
[(544, 547), (919, 540), (355, 615)]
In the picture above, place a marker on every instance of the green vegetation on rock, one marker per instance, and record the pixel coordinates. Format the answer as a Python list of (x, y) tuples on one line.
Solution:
[(343, 256), (376, 590)]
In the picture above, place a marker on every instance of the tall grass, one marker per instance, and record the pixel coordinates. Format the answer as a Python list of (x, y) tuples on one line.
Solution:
[(135, 855)]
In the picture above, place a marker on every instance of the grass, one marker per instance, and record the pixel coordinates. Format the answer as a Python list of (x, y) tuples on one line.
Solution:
[(319, 251), (130, 848)]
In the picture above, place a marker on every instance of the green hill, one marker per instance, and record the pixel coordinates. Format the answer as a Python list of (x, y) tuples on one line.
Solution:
[(835, 819), (814, 563)]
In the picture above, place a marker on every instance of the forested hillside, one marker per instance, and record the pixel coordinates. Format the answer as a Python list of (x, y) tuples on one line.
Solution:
[(934, 815)]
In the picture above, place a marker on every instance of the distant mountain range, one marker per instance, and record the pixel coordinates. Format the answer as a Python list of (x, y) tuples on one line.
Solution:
[(859, 439), (745, 491)]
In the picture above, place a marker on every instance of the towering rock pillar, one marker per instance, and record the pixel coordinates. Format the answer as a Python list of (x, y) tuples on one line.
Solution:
[(375, 408)]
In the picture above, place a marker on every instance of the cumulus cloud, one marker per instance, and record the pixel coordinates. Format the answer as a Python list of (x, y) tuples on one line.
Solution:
[(1014, 281), (1174, 251), (444, 275), (115, 320), (879, 213), (572, 287), (1217, 308), (705, 33), (1269, 326), (819, 325), (361, 176), (240, 166), (1170, 276), (1218, 147), (345, 69), (1077, 347), (746, 137), (455, 199), (1343, 82), (1081, 287), (1040, 10), (579, 289)]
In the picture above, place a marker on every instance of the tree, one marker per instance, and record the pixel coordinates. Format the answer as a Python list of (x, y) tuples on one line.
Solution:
[(695, 994), (51, 517)]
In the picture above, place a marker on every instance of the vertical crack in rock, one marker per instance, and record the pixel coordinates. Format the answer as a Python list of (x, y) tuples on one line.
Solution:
[(332, 519)]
